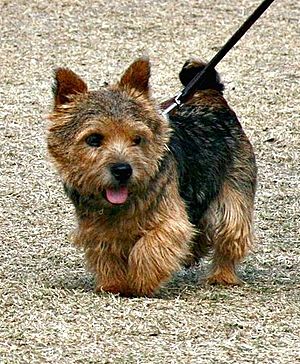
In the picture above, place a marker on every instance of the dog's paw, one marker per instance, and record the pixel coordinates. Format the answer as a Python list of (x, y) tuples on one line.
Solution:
[(223, 279)]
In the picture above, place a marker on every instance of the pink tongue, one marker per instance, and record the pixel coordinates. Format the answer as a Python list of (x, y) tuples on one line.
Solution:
[(117, 196)]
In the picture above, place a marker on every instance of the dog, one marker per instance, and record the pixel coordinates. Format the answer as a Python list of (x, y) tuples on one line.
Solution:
[(152, 193)]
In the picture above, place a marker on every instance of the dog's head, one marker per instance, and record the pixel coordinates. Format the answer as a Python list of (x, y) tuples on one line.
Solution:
[(110, 142)]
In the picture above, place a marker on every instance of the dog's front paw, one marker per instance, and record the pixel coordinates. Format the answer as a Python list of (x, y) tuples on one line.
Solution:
[(116, 289)]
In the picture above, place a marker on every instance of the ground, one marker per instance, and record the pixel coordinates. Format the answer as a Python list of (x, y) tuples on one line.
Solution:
[(48, 310)]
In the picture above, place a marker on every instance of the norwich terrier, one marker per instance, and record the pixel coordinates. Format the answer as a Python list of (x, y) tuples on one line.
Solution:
[(153, 194)]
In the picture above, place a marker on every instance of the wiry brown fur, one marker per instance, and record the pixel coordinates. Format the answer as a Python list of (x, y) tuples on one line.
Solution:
[(136, 246)]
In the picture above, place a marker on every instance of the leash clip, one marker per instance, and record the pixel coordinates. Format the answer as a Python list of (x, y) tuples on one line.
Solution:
[(175, 103)]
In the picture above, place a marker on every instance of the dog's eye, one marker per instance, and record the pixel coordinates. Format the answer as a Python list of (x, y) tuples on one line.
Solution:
[(137, 140), (94, 140)]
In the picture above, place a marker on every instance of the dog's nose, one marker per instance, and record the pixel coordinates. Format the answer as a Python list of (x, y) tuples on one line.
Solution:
[(121, 171)]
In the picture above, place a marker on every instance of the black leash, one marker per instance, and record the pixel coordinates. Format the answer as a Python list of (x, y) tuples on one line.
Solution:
[(199, 79)]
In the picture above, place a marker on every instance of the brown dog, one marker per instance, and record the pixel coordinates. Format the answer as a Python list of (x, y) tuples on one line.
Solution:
[(153, 194)]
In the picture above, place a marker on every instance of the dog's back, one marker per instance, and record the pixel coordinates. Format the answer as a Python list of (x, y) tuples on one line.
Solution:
[(216, 172), (207, 139)]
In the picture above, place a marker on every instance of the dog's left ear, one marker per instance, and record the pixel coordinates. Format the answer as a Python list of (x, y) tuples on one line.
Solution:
[(136, 77)]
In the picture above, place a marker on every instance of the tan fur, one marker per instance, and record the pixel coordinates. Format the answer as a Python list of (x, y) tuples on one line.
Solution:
[(230, 231), (153, 245)]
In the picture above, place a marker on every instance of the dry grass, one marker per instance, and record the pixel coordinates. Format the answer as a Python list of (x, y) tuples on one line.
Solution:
[(48, 311)]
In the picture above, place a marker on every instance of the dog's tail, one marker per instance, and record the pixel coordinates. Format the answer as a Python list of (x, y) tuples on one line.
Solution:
[(192, 67)]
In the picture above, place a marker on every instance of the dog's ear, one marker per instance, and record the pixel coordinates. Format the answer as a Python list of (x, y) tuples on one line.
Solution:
[(136, 77), (66, 84)]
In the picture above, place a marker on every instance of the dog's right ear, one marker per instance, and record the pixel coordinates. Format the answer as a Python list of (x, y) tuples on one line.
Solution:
[(66, 84)]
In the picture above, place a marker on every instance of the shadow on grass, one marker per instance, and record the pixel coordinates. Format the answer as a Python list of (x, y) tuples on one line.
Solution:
[(261, 280), (188, 282), (82, 282)]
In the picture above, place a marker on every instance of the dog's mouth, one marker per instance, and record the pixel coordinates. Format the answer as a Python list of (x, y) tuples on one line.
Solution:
[(117, 196)]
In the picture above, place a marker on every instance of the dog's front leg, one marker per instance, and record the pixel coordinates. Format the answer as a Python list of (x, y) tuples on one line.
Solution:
[(107, 262), (158, 254)]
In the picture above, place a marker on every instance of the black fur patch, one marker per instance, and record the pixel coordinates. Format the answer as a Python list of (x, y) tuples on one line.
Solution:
[(203, 145)]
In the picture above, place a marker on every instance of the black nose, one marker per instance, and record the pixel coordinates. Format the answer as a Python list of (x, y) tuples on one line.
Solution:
[(121, 171)]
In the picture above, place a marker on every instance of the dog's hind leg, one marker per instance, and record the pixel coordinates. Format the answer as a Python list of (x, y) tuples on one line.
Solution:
[(230, 224)]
